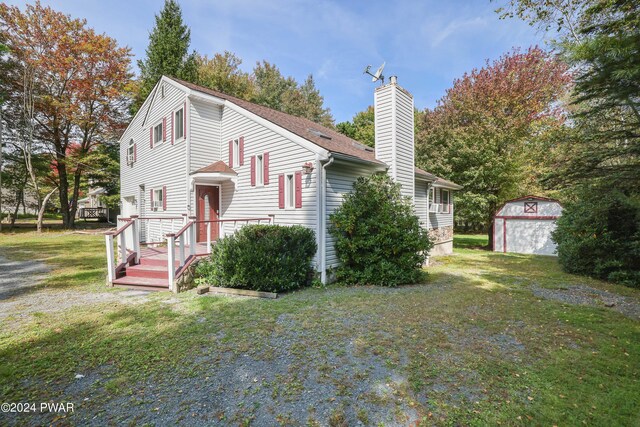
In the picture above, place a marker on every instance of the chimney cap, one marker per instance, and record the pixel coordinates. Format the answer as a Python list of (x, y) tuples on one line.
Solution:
[(393, 80)]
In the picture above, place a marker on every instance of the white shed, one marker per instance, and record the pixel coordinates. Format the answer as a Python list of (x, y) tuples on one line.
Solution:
[(524, 225)]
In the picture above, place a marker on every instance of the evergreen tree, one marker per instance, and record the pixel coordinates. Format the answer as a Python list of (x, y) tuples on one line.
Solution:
[(168, 51)]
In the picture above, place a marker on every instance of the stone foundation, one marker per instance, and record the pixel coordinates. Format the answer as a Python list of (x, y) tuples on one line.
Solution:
[(443, 240), (186, 280)]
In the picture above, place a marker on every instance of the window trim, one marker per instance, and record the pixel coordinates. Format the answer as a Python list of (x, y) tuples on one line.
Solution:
[(445, 208), (289, 191), (159, 141), (259, 169), (181, 123), (156, 199), (236, 153), (131, 157)]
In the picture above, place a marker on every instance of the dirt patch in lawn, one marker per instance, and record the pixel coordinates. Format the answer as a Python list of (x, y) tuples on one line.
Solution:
[(585, 295), (22, 297)]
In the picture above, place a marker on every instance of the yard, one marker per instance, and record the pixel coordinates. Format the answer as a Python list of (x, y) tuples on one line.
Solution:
[(488, 339)]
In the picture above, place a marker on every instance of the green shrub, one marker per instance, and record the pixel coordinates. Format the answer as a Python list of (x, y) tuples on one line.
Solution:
[(378, 238), (271, 258), (598, 235)]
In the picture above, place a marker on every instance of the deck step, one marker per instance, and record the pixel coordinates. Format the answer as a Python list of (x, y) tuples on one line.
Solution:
[(157, 260), (148, 270), (143, 282)]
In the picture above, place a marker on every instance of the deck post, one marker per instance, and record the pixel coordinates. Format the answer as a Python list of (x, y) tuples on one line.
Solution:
[(182, 238), (123, 248), (192, 238), (171, 256), (136, 237), (111, 265)]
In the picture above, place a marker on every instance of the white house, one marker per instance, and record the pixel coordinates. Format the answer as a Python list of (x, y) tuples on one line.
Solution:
[(524, 225), (196, 164)]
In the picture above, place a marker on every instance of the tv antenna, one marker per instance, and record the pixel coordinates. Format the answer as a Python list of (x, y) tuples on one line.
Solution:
[(377, 75)]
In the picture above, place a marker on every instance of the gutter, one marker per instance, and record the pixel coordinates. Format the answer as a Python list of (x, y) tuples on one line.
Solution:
[(322, 211)]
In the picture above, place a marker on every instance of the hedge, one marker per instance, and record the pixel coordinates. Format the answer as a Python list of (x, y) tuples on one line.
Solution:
[(270, 258)]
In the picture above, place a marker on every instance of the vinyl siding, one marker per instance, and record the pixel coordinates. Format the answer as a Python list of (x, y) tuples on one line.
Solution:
[(437, 219), (395, 147), (240, 199), (205, 129), (421, 202), (340, 179), (162, 165)]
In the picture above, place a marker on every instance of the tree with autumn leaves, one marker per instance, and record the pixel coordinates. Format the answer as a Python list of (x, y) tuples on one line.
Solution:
[(491, 131), (79, 84)]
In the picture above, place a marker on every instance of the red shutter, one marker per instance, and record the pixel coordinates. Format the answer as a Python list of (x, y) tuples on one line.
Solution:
[(135, 152), (241, 151), (281, 191), (151, 198), (265, 172), (230, 154), (151, 137), (298, 185), (184, 119), (164, 197), (253, 171), (173, 129), (164, 129)]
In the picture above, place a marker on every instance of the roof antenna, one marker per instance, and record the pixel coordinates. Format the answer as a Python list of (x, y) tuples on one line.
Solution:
[(378, 74)]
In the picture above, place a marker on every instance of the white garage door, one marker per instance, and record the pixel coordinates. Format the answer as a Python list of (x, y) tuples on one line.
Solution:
[(530, 236)]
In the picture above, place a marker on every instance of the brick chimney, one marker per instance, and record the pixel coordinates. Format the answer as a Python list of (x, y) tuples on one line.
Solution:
[(394, 131)]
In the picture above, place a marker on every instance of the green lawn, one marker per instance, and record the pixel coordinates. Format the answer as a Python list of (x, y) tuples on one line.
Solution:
[(472, 346)]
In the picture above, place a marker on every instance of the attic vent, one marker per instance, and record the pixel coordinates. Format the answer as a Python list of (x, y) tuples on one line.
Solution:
[(318, 133)]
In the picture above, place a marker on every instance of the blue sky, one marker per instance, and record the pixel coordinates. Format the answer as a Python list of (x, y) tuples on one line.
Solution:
[(427, 44)]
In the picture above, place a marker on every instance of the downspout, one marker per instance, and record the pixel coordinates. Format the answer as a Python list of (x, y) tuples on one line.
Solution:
[(188, 156), (322, 219)]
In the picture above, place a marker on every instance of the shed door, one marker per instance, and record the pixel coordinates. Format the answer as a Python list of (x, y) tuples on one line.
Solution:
[(207, 210), (530, 236)]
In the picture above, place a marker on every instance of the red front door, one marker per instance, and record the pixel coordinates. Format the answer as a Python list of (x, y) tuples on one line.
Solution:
[(207, 210)]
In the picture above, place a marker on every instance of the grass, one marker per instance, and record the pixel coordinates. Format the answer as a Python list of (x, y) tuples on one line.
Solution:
[(77, 260), (473, 346)]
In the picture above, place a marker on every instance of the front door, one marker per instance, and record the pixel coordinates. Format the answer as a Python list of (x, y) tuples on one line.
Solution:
[(207, 210)]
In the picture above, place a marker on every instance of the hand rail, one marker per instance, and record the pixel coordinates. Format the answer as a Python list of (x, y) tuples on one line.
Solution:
[(233, 220), (183, 229), (120, 230)]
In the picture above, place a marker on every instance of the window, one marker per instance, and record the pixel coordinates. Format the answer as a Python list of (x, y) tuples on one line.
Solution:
[(179, 124), (444, 201), (432, 200), (236, 153), (157, 133), (131, 152), (259, 169), (289, 192), (530, 207), (157, 198)]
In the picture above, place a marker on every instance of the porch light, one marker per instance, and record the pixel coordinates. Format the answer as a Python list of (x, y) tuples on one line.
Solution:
[(307, 168)]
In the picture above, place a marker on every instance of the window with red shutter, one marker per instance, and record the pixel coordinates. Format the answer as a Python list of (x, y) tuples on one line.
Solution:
[(298, 189), (281, 191), (164, 129), (265, 172), (151, 198), (241, 151), (173, 130), (230, 154), (253, 171), (164, 197)]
